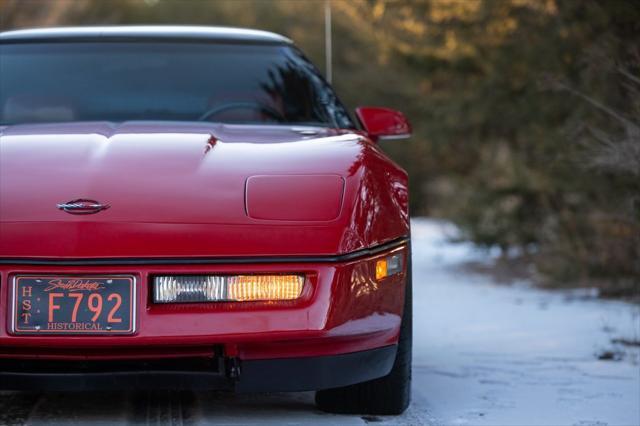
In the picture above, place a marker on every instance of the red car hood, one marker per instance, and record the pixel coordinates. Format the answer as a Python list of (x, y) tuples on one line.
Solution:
[(174, 189)]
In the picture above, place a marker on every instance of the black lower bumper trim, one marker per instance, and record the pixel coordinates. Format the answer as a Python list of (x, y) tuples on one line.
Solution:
[(140, 380), (315, 373), (275, 375)]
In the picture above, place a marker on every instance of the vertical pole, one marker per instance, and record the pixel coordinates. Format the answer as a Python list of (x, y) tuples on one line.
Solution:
[(327, 41)]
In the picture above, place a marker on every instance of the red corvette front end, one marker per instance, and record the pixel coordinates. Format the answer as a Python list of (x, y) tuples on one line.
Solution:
[(215, 253), (298, 345)]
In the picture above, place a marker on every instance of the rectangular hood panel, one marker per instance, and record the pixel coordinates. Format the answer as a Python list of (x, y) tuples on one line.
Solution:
[(168, 177), (173, 190)]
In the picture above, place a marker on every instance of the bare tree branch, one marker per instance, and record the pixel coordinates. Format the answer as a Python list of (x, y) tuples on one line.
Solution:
[(600, 106), (629, 75)]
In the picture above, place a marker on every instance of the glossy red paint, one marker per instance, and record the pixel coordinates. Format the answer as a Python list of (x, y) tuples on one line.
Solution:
[(171, 194), (174, 194), (343, 310), (383, 123), (294, 197)]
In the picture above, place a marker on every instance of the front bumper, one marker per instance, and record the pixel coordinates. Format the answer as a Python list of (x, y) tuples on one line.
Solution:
[(346, 321)]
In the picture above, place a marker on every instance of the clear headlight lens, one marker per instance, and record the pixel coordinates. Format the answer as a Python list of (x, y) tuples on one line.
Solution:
[(226, 288)]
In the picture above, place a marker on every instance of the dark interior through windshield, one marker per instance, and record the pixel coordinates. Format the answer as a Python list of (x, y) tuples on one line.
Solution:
[(184, 81)]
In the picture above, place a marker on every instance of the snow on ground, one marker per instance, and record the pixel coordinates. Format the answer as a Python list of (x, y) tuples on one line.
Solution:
[(484, 354), (508, 355)]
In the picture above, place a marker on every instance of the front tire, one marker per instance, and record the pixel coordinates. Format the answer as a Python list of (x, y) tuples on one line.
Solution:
[(388, 395)]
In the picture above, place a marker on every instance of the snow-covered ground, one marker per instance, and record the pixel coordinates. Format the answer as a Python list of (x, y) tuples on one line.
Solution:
[(484, 354), (512, 355)]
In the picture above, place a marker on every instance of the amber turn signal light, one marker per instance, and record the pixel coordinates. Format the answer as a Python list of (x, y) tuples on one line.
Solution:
[(388, 266)]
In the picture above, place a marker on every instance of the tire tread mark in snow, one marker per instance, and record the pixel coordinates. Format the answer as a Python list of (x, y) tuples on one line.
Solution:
[(162, 408), (16, 408)]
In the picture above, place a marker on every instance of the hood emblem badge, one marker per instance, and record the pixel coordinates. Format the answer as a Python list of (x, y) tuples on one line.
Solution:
[(82, 206)]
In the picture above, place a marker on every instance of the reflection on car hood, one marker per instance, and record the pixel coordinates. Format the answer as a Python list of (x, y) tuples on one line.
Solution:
[(163, 182)]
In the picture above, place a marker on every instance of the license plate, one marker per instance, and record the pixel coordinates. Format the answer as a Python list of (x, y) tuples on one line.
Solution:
[(73, 305)]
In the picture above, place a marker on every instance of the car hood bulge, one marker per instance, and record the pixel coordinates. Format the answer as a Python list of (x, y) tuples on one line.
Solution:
[(172, 189)]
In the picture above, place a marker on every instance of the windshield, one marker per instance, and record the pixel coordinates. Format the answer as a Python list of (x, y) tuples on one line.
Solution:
[(184, 81)]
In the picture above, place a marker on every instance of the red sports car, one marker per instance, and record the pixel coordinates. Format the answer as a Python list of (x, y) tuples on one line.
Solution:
[(186, 207)]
